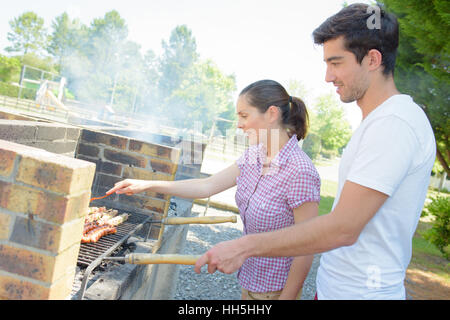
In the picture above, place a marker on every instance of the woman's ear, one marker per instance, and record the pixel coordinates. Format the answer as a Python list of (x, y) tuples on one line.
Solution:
[(273, 113)]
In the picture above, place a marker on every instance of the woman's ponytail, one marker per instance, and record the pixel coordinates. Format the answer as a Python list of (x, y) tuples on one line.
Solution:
[(297, 120)]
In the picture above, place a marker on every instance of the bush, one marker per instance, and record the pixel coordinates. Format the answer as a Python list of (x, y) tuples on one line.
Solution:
[(9, 90), (311, 145), (439, 234)]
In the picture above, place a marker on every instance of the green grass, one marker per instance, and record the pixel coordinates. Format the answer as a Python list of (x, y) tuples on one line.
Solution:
[(328, 191)]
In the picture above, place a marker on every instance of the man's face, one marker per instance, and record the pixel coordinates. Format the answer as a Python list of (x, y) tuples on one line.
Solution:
[(344, 71)]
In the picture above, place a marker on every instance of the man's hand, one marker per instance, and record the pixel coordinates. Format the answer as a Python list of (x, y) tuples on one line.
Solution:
[(227, 257)]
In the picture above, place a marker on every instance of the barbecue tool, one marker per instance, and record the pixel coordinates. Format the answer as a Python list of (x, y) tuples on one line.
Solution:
[(98, 198), (195, 220), (150, 258)]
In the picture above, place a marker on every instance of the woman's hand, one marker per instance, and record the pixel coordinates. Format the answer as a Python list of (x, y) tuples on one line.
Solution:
[(130, 186)]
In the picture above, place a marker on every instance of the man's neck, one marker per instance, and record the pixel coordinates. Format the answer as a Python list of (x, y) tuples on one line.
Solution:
[(380, 90)]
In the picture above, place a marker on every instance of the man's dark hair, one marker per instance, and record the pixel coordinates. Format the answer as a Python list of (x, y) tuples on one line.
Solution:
[(353, 22)]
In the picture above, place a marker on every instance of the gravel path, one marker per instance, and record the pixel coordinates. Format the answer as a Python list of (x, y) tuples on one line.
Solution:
[(218, 286)]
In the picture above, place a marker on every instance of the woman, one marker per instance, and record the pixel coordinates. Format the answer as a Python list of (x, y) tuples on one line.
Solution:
[(277, 185)]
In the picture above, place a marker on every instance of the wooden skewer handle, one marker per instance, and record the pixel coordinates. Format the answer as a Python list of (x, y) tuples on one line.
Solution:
[(149, 258), (199, 220)]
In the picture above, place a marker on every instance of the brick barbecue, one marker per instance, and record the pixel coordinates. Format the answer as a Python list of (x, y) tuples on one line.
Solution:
[(48, 173)]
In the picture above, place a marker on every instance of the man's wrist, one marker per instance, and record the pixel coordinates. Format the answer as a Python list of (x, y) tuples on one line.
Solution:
[(248, 245)]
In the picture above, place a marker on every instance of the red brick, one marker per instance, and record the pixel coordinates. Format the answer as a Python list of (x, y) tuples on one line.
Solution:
[(12, 288), (5, 220), (35, 265), (59, 174), (45, 236), (104, 138), (155, 205), (154, 150), (7, 158), (48, 206), (144, 174), (125, 158), (163, 166), (88, 150)]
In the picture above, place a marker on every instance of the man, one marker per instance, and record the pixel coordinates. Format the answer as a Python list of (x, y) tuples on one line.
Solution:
[(383, 176)]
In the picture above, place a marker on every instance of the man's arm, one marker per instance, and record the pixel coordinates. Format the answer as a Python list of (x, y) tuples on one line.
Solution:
[(341, 227), (300, 265)]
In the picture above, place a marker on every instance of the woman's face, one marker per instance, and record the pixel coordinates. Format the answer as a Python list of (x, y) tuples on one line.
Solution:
[(254, 123)]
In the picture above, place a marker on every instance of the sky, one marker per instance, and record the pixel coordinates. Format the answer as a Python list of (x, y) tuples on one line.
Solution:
[(252, 39)]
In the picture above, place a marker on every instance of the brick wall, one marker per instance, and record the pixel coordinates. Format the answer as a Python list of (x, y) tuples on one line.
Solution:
[(52, 137), (43, 202), (117, 158), (191, 156)]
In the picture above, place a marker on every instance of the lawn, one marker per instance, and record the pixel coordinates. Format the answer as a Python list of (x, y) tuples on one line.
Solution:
[(327, 193)]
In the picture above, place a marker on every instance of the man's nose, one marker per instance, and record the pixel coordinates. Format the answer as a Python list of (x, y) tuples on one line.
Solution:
[(329, 76)]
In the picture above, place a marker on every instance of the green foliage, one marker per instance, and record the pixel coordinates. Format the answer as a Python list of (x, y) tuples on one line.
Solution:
[(196, 90), (28, 33), (178, 57), (311, 145), (66, 37), (439, 234), (422, 63), (327, 121), (9, 67), (9, 90)]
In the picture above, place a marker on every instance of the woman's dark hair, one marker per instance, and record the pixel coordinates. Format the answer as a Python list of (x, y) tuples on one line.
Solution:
[(355, 23), (265, 93)]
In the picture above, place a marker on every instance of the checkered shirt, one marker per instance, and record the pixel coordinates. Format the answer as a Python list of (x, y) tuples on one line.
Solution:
[(266, 203)]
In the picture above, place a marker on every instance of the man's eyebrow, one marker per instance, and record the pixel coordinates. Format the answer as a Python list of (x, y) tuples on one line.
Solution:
[(334, 58)]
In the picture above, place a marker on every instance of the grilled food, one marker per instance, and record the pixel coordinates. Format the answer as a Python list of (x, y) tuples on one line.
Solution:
[(100, 222), (95, 234)]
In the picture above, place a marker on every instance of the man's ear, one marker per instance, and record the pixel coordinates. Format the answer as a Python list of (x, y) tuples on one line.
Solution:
[(374, 59)]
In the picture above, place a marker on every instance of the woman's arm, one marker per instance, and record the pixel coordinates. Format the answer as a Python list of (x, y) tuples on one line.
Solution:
[(300, 265), (189, 189)]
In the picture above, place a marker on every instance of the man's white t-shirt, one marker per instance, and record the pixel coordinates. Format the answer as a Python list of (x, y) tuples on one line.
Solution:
[(393, 152)]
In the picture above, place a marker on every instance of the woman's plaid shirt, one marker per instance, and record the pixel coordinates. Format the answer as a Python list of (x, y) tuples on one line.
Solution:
[(266, 203)]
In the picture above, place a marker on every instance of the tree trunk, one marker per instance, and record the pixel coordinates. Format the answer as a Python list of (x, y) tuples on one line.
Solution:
[(442, 161)]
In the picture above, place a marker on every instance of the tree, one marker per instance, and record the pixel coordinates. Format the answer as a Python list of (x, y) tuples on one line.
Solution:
[(203, 95), (423, 60), (179, 55), (327, 121), (65, 38), (28, 33), (96, 60)]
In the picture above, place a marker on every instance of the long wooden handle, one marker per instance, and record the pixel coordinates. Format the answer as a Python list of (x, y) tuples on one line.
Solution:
[(149, 258), (199, 220)]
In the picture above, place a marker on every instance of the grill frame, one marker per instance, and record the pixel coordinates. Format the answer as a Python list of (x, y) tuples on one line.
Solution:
[(89, 252), (107, 244)]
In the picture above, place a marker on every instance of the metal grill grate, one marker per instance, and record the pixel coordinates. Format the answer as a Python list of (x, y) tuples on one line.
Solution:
[(89, 252)]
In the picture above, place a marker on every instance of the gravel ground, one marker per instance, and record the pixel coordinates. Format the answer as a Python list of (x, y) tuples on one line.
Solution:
[(218, 286)]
